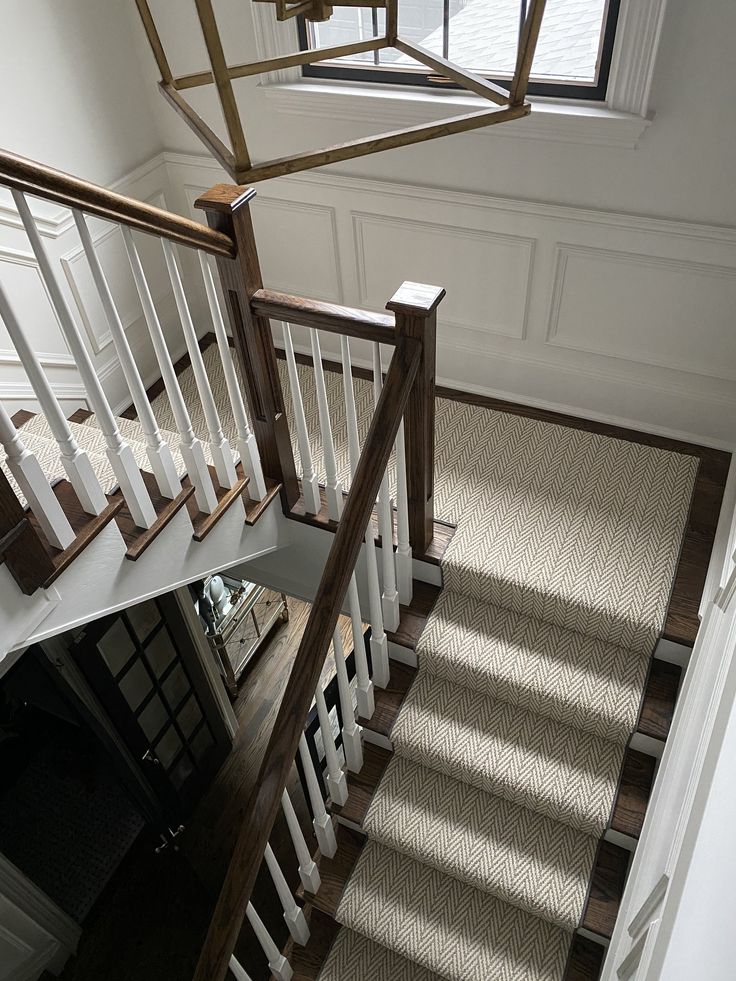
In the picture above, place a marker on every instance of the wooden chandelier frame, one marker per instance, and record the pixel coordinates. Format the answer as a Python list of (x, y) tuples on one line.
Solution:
[(509, 103)]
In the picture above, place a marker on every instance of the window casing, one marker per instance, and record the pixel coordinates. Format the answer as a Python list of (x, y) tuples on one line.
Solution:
[(447, 40)]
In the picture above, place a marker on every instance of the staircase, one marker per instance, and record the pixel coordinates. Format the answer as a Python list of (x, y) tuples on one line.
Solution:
[(494, 787)]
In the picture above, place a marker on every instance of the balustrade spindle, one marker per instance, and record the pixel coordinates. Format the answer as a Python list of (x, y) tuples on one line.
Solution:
[(390, 597), (35, 487), (190, 447), (222, 455), (308, 871), (277, 963), (321, 822), (365, 693), (75, 460), (119, 452), (351, 733), (157, 449), (293, 914), (378, 640), (333, 487), (247, 446), (310, 481), (237, 970), (336, 781), (404, 570)]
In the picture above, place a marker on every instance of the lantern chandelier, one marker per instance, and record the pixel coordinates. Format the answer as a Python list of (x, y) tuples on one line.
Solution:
[(508, 103)]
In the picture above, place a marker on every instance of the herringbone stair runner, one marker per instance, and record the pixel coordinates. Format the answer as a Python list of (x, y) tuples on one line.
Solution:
[(483, 831)]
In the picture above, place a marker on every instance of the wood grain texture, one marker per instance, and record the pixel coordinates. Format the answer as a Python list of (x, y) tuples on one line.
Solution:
[(37, 179), (332, 317), (585, 962), (203, 523), (228, 210), (138, 539), (261, 808), (390, 699), (469, 80), (335, 872), (606, 889), (362, 786), (634, 790), (658, 702), (413, 618)]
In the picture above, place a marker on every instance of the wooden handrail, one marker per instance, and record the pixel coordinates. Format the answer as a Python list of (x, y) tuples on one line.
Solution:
[(22, 174), (378, 327), (262, 807)]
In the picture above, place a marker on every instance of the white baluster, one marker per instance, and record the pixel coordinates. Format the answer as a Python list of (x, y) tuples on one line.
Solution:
[(157, 449), (322, 823), (278, 964), (293, 913), (352, 740), (222, 455), (365, 693), (75, 460), (333, 487), (310, 482), (390, 597), (336, 781), (119, 452), (404, 571), (247, 446), (237, 970), (308, 871), (190, 446), (35, 487), (378, 640)]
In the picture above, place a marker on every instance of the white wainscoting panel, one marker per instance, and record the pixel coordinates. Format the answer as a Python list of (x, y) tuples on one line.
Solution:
[(622, 318)]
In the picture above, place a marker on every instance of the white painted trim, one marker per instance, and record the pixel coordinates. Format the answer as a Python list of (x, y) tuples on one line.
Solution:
[(39, 907), (638, 33), (620, 121)]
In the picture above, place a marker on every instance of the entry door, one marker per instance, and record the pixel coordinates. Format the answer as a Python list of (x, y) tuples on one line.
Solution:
[(144, 668)]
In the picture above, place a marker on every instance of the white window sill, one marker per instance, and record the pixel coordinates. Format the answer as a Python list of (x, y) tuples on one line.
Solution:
[(397, 106)]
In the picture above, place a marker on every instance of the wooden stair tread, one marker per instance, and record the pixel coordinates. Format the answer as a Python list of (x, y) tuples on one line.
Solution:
[(85, 526), (138, 539), (362, 786), (660, 695), (585, 962), (254, 509), (413, 618), (204, 523), (632, 797), (307, 961), (606, 889), (389, 700), (335, 872)]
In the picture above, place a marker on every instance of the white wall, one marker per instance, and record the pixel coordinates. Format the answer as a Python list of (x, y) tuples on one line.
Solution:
[(71, 96), (562, 290)]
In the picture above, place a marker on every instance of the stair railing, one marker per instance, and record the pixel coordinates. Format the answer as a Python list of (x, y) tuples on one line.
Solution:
[(287, 738), (206, 458)]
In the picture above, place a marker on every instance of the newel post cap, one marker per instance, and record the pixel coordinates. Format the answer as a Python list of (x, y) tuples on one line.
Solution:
[(418, 299), (225, 198)]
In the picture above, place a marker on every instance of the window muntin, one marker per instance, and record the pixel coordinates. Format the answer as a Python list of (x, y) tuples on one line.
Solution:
[(572, 59)]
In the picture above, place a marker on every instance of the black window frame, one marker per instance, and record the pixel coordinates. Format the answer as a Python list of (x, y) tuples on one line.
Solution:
[(552, 89)]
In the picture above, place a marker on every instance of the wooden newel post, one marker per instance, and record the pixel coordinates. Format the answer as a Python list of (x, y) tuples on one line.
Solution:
[(415, 306), (228, 210)]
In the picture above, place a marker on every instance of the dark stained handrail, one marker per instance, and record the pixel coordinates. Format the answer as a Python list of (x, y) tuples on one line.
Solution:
[(333, 317), (22, 174), (262, 806)]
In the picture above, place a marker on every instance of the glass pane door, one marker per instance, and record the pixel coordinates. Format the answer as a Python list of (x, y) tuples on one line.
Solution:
[(145, 671)]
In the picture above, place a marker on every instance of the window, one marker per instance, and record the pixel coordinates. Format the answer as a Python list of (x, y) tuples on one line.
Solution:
[(572, 60)]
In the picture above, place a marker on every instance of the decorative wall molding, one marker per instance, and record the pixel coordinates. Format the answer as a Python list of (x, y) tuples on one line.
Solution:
[(662, 378), (697, 360), (451, 233)]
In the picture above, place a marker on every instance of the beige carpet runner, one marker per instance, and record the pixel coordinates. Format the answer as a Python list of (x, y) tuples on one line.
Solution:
[(507, 752), (483, 832)]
